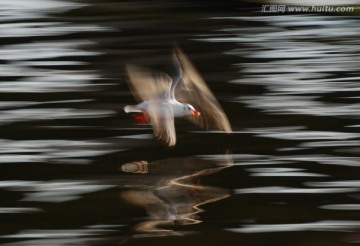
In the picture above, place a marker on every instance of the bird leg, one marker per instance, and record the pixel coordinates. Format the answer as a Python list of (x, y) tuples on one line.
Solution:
[(141, 118)]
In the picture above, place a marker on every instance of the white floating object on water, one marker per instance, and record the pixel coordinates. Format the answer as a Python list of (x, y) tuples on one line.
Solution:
[(135, 167)]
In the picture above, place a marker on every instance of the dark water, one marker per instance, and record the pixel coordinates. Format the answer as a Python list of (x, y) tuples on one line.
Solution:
[(288, 175)]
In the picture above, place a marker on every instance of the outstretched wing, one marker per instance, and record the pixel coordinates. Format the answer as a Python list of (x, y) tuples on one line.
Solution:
[(146, 84), (162, 119), (152, 86), (193, 90)]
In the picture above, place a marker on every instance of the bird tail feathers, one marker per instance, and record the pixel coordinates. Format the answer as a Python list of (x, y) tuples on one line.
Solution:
[(131, 108)]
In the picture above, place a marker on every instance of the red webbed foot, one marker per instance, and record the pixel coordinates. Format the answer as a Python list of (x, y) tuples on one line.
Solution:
[(141, 118)]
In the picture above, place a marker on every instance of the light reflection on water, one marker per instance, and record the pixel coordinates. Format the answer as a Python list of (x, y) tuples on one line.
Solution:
[(316, 226), (19, 210), (175, 196), (304, 60), (297, 133), (51, 151), (43, 29), (42, 50), (304, 105), (289, 190), (52, 191), (282, 172), (56, 237), (341, 207), (294, 111)]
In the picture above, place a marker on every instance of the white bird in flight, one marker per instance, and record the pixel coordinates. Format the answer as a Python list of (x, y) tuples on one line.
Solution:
[(161, 98)]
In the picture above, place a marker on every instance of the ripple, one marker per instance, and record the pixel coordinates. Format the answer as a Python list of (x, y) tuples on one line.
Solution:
[(282, 172), (297, 133), (341, 207), (330, 144), (339, 183), (323, 159), (138, 136), (49, 63), (17, 115), (16, 10), (251, 160), (22, 104), (307, 82), (45, 80), (295, 57), (290, 190), (15, 104), (57, 233), (9, 210), (353, 126), (75, 83), (45, 50), (54, 241), (247, 159), (326, 225), (52, 151), (28, 29), (54, 190), (299, 105)]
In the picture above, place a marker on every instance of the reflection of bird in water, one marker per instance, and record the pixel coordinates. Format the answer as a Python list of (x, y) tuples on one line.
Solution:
[(175, 196), (184, 95)]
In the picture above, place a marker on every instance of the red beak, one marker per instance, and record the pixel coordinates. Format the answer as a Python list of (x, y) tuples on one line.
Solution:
[(195, 112)]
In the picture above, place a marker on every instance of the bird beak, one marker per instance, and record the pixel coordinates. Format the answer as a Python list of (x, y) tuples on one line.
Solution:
[(195, 112)]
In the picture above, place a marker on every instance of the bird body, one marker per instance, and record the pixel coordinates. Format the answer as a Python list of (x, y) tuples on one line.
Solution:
[(163, 98), (178, 109)]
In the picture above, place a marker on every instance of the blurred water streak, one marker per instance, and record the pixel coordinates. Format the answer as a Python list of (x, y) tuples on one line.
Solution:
[(76, 170)]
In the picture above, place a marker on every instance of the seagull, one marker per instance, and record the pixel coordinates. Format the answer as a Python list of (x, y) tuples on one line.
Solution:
[(162, 98)]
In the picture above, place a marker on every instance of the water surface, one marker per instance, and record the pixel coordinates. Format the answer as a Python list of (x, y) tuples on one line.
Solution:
[(76, 170)]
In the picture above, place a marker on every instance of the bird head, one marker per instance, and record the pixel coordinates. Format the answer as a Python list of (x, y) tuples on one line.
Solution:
[(192, 111)]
